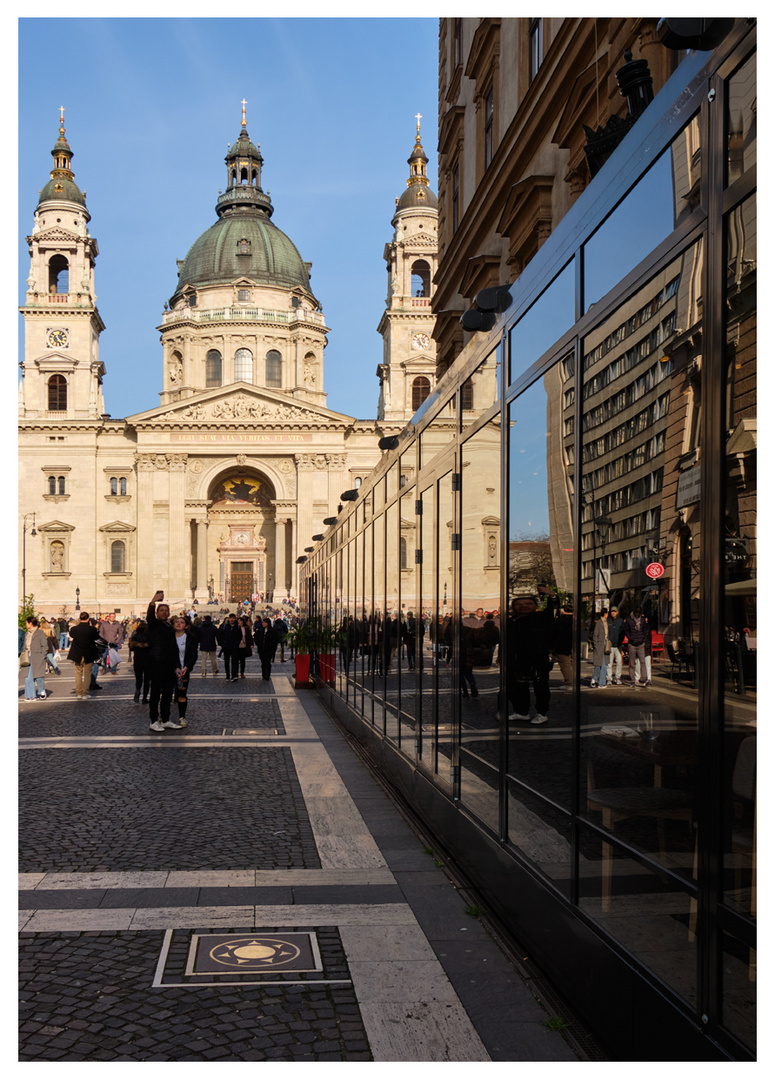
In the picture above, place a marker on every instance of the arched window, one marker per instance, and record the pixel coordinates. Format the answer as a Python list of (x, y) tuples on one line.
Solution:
[(61, 484), (274, 368), (58, 274), (117, 557), (213, 368), (403, 553), (467, 395), (113, 486), (243, 366), (57, 393), (52, 485), (122, 485), (421, 278), (421, 387), (358, 482)]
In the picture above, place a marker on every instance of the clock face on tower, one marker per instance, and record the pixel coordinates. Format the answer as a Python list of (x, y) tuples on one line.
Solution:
[(420, 341), (58, 339)]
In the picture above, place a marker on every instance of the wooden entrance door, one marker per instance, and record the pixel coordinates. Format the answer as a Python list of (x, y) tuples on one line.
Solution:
[(240, 582)]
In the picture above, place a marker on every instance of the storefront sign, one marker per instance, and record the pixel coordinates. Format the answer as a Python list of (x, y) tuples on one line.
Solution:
[(688, 487), (655, 570)]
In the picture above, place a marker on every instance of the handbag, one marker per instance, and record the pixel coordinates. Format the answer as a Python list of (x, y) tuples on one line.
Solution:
[(113, 658), (24, 658)]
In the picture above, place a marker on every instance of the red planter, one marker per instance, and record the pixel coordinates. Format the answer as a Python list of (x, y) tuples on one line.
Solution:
[(302, 669), (327, 662)]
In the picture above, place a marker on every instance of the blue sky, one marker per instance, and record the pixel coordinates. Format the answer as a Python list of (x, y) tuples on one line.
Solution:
[(150, 106)]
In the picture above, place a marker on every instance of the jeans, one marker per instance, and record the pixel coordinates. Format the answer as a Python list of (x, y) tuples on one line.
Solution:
[(615, 663), (63, 639), (33, 687), (600, 673)]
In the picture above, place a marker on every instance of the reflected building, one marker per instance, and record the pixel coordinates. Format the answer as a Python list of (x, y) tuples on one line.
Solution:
[(594, 442)]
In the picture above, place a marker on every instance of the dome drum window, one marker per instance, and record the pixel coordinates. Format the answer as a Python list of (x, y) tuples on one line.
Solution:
[(274, 369), (213, 368), (57, 393)]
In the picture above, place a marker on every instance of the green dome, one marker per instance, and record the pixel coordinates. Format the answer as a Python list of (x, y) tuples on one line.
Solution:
[(63, 190), (244, 245)]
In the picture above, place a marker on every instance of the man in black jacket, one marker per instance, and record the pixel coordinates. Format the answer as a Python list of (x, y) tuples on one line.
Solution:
[(208, 643), (162, 661), (230, 635)]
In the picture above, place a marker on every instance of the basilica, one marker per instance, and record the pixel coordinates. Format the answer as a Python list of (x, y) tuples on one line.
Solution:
[(214, 493)]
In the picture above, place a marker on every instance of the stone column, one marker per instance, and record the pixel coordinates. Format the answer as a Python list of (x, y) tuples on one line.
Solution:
[(201, 559), (279, 558), (179, 543), (146, 584)]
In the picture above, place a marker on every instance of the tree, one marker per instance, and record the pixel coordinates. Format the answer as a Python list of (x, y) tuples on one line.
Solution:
[(27, 611)]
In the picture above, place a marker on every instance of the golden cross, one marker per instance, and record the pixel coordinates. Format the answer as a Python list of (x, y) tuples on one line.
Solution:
[(61, 116), (244, 121), (418, 118)]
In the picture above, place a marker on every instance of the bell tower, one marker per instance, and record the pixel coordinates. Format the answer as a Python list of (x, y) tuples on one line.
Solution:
[(61, 371), (407, 373)]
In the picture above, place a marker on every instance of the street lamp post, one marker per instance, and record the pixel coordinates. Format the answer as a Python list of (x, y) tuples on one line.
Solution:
[(77, 599), (24, 553)]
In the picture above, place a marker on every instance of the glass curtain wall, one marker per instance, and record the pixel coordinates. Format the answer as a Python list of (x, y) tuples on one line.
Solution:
[(532, 613)]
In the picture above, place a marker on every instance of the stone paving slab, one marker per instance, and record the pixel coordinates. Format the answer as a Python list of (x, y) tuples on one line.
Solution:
[(78, 1004), (149, 809)]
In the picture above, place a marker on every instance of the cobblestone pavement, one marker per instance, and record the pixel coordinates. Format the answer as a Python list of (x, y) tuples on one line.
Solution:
[(240, 890)]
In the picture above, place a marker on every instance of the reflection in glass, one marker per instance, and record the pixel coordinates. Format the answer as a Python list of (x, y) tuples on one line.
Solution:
[(481, 389), (739, 632), (391, 637), (639, 610), (407, 651), (540, 572), (666, 194), (646, 911), (446, 744), (741, 120), (478, 653), (738, 968), (378, 623), (427, 645), (367, 624), (546, 321)]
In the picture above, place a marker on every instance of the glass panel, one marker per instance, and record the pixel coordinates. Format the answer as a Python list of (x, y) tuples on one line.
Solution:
[(539, 629), (392, 480), (378, 637), (427, 641), (740, 564), (437, 437), (646, 911), (447, 738), (547, 320), (392, 624), (407, 655), (741, 120), (640, 552), (368, 628), (479, 637), (481, 389), (738, 1009), (667, 193)]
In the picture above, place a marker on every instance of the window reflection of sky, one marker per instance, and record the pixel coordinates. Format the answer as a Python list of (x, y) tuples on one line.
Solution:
[(549, 317), (634, 229), (529, 497)]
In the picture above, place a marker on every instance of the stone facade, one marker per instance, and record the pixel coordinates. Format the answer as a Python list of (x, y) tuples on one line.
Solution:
[(215, 493)]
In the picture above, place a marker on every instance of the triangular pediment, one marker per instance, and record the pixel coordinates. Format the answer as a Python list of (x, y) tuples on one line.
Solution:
[(239, 404), (56, 235), (117, 527)]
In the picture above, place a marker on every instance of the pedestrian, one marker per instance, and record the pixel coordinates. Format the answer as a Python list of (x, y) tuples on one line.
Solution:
[(36, 646), (84, 650), (208, 643), (530, 642), (162, 662), (52, 642), (186, 644), (615, 636), (281, 629), (138, 650), (601, 647), (113, 634), (229, 636), (636, 627), (245, 647), (267, 649)]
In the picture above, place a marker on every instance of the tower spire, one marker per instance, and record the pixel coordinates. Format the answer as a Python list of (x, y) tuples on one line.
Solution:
[(417, 160)]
